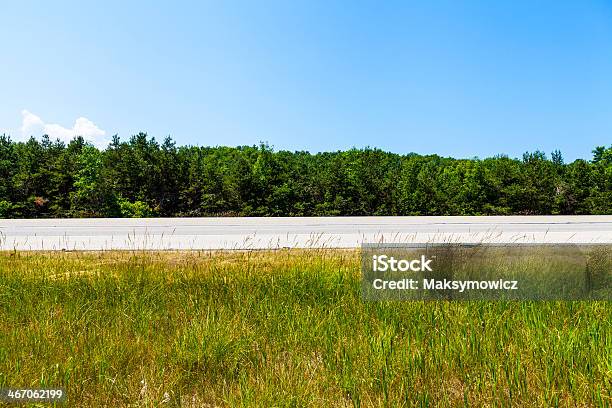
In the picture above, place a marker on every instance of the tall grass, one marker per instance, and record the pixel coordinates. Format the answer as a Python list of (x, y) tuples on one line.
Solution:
[(282, 328)]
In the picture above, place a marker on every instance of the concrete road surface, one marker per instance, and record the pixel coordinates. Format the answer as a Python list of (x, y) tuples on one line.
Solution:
[(261, 233)]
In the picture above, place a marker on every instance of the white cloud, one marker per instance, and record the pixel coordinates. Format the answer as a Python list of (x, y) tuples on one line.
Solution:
[(33, 125)]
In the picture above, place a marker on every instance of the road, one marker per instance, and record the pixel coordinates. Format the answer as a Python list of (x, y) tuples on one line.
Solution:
[(303, 232)]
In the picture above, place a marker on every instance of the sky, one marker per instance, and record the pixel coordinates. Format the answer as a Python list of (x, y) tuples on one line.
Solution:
[(461, 79)]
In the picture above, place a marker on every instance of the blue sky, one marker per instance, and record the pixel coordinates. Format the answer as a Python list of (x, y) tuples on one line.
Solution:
[(462, 79)]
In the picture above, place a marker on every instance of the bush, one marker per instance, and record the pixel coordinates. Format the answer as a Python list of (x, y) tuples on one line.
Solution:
[(137, 209), (6, 209)]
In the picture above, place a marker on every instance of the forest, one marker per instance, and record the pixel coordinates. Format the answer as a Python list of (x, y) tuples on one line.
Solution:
[(142, 177)]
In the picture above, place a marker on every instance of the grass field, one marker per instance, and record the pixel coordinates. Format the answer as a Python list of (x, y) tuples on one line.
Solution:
[(284, 328)]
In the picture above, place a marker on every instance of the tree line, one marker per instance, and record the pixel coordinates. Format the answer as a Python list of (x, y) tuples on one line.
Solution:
[(141, 177)]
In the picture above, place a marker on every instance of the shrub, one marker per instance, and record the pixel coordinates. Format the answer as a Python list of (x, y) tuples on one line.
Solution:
[(137, 209)]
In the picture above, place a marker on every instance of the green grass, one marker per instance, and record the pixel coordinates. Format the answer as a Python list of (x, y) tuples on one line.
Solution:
[(284, 328)]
